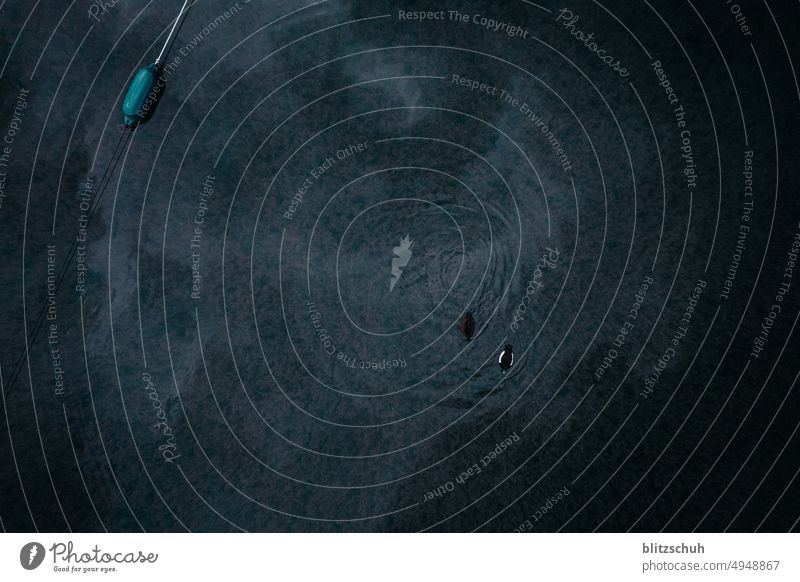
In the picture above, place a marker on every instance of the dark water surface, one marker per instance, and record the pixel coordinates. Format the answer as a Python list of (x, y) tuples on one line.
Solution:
[(260, 330)]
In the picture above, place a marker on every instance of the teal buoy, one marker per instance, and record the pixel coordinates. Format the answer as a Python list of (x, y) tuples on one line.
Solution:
[(148, 85), (143, 95)]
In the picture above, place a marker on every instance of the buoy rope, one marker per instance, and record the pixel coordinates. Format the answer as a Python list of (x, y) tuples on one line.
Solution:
[(170, 38), (104, 181)]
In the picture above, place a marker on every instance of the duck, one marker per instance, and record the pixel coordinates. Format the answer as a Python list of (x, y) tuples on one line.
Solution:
[(468, 326), (506, 358)]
